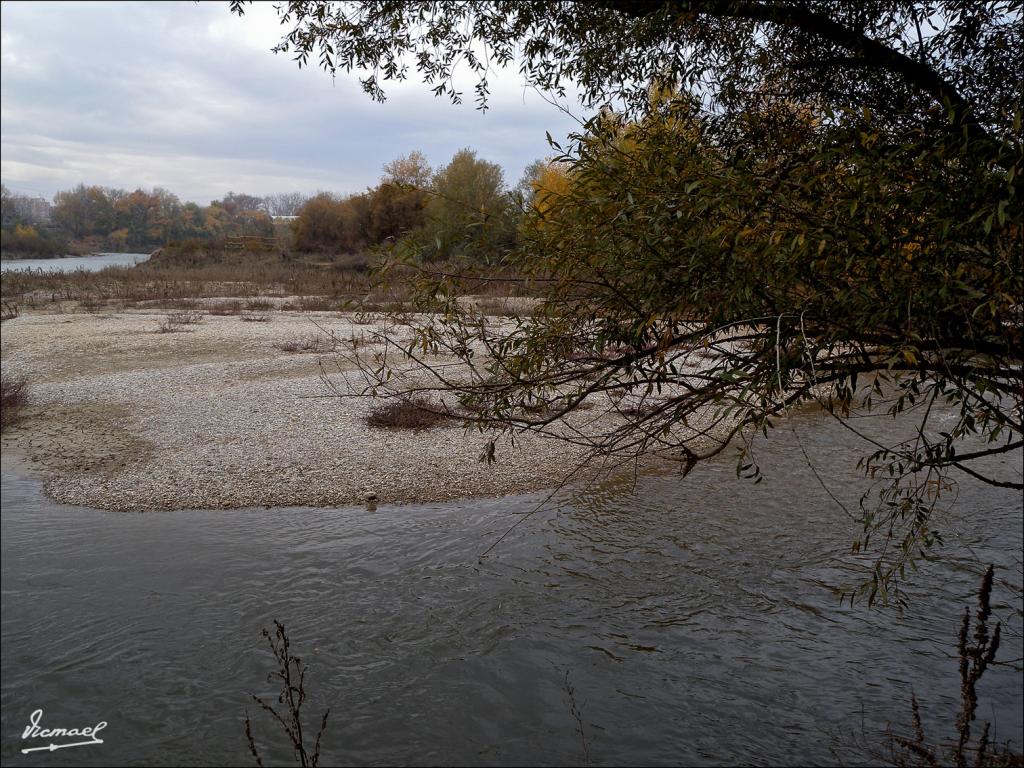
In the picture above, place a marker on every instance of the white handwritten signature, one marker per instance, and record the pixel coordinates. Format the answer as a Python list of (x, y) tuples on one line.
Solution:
[(34, 731)]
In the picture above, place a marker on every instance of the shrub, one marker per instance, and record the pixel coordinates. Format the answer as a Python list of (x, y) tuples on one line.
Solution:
[(366, 318), (27, 241), (232, 307), (176, 321), (91, 304), (310, 343), (413, 413), (317, 303), (186, 317), (249, 316), (166, 326)]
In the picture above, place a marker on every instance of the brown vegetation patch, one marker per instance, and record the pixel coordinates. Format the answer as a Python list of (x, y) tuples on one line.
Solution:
[(176, 321), (363, 317), (504, 306), (414, 413), (168, 283), (318, 342), (313, 304), (254, 316), (226, 307)]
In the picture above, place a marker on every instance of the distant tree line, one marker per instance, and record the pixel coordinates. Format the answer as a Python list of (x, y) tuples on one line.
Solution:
[(102, 218), (461, 209)]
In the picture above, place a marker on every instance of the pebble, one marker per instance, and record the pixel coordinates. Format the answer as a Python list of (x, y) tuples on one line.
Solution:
[(221, 418)]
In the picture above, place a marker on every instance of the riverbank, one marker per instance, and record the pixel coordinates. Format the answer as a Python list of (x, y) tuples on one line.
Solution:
[(223, 413), (17, 256), (64, 265)]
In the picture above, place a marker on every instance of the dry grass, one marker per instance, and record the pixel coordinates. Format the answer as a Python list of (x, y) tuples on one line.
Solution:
[(504, 306), (187, 305), (314, 304), (414, 413), (92, 305), (357, 340), (976, 650), (177, 321), (13, 398), (363, 317), (254, 316), (316, 342), (186, 317), (161, 284), (166, 326), (226, 307), (312, 283)]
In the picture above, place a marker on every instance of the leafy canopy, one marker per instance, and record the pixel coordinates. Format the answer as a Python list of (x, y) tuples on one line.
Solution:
[(780, 203)]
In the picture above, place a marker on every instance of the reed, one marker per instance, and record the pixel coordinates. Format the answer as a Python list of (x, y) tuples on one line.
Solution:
[(975, 652), (290, 672)]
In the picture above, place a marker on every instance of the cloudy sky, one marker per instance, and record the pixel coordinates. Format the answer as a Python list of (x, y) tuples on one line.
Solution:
[(189, 97)]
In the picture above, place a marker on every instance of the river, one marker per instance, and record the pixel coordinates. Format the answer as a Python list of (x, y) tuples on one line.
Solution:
[(71, 263), (697, 620)]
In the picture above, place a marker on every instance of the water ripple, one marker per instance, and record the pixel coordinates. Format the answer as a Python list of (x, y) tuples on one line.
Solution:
[(698, 620)]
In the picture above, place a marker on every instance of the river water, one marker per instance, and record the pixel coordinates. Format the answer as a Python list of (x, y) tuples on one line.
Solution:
[(697, 621), (71, 263)]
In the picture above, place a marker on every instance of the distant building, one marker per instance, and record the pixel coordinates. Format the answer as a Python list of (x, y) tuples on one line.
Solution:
[(38, 210), (21, 209)]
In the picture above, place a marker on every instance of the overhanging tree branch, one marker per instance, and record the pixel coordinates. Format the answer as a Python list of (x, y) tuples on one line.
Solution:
[(868, 52)]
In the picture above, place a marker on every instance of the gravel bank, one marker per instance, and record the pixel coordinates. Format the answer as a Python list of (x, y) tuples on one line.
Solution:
[(125, 418)]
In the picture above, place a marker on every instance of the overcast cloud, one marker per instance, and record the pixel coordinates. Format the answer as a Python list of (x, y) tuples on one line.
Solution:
[(189, 97)]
